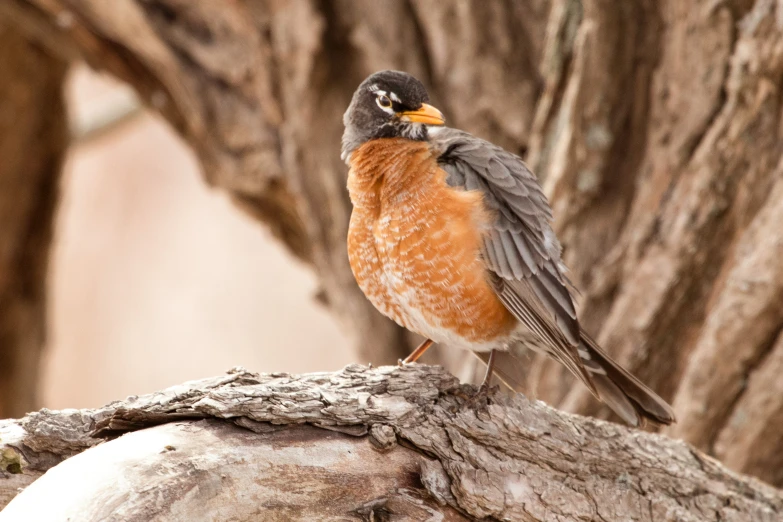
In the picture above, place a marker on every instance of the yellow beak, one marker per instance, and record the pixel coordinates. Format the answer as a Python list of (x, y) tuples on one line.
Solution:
[(426, 114)]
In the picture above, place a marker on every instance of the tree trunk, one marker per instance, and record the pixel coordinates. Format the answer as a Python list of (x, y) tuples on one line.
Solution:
[(654, 125), (405, 443), (666, 176), (33, 139)]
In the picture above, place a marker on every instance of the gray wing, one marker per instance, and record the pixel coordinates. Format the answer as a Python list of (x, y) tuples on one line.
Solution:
[(520, 248)]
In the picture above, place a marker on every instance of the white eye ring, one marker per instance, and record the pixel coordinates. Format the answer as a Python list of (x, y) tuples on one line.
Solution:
[(383, 102)]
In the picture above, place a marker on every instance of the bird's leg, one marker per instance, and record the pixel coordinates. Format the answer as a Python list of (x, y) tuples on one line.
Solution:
[(488, 375), (418, 352), (480, 399)]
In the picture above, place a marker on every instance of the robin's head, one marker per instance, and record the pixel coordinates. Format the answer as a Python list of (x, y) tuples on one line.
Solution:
[(388, 104)]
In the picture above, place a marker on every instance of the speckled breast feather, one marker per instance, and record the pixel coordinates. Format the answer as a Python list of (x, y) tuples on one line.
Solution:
[(414, 246)]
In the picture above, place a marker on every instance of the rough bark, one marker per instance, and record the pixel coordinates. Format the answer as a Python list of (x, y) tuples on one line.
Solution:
[(415, 430), (33, 138), (666, 180), (655, 125)]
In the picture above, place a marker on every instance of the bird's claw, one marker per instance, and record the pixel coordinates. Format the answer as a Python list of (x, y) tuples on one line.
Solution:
[(481, 400)]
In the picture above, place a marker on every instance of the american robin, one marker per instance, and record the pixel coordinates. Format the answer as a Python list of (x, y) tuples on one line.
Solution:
[(451, 237)]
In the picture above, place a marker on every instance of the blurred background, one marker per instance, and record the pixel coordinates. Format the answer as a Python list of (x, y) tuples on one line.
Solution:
[(156, 279), (172, 201)]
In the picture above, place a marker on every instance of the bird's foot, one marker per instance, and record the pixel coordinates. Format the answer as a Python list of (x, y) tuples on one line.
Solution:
[(482, 398)]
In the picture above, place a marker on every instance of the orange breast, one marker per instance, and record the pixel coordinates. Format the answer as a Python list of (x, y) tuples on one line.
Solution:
[(414, 245)]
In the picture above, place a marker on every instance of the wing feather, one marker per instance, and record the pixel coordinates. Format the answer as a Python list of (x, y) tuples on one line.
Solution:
[(521, 252)]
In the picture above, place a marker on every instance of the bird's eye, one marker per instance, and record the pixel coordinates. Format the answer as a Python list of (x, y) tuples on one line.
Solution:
[(384, 101)]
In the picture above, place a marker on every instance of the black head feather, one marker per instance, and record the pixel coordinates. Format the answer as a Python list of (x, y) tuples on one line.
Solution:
[(369, 118)]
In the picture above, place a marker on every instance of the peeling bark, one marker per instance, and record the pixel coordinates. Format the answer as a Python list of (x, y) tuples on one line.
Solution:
[(396, 442)]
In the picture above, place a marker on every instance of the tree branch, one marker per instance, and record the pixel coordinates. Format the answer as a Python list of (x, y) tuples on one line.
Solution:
[(431, 450), (33, 141)]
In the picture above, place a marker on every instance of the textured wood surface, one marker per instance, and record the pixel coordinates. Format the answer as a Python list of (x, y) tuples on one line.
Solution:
[(513, 460)]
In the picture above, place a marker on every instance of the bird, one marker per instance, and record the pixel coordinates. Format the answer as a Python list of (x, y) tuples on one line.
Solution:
[(451, 237)]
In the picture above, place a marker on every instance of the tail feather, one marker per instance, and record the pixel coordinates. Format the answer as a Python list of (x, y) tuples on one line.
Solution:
[(617, 387), (622, 392)]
